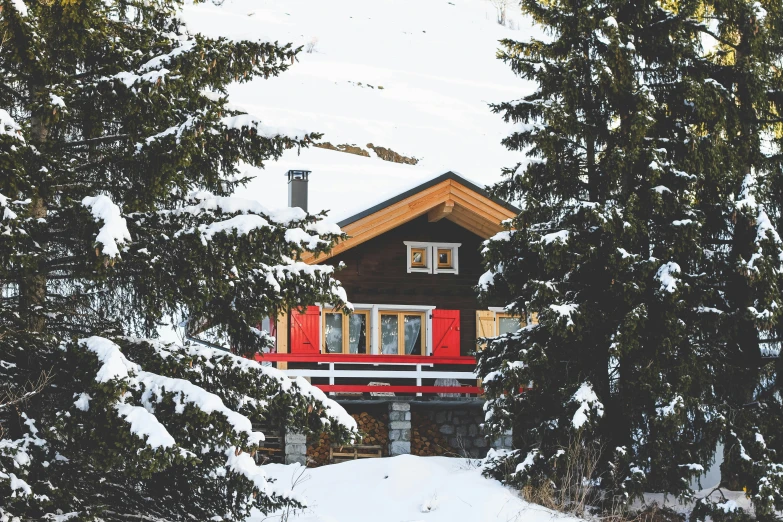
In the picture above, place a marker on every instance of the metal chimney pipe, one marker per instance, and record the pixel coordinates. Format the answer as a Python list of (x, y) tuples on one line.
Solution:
[(297, 188)]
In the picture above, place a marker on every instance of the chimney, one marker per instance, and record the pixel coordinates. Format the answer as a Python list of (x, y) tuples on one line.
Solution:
[(297, 188)]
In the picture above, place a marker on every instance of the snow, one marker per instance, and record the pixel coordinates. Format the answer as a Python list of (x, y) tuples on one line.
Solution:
[(56, 100), (206, 201), (406, 488), (671, 408), (761, 13), (560, 236), (486, 280), (667, 275), (114, 231), (18, 484), (565, 310), (145, 424), (435, 62), (242, 224), (20, 7), (587, 400), (248, 121), (529, 460), (729, 506), (83, 402), (114, 364), (9, 126)]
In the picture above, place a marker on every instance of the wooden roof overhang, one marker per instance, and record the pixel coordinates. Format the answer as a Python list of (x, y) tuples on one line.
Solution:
[(448, 196)]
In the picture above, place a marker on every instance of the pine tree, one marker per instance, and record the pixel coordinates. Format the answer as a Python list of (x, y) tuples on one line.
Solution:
[(119, 154), (642, 245)]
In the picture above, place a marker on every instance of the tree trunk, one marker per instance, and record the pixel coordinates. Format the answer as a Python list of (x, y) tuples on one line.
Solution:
[(32, 287)]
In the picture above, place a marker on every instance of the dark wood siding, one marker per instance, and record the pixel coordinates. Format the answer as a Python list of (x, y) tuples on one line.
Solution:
[(376, 273)]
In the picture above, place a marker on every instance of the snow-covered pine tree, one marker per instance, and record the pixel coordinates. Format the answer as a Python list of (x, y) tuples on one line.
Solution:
[(630, 195), (119, 153)]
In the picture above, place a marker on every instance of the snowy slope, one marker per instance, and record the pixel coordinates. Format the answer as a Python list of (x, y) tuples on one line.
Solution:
[(435, 60), (405, 489)]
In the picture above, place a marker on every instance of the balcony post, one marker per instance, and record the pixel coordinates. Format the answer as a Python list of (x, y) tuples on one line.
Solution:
[(399, 428)]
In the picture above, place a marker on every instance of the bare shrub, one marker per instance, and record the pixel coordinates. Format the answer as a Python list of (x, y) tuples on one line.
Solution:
[(501, 7), (311, 45), (576, 491)]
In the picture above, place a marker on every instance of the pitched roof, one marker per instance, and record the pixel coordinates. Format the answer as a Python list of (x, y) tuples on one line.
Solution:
[(447, 196), (423, 186)]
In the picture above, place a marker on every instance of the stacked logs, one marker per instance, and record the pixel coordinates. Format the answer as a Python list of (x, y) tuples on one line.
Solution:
[(426, 440), (318, 452), (374, 430)]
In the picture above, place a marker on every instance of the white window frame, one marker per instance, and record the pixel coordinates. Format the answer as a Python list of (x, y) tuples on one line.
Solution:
[(454, 247), (432, 257), (375, 320)]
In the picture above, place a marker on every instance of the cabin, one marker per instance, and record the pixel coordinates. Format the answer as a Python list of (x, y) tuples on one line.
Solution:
[(405, 357)]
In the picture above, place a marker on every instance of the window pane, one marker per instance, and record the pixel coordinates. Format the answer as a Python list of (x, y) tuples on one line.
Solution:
[(508, 324), (334, 333), (444, 258), (418, 257), (412, 334), (389, 336), (357, 333)]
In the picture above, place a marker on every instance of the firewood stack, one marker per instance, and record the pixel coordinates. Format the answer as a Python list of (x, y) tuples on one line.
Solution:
[(318, 453), (374, 429), (426, 440)]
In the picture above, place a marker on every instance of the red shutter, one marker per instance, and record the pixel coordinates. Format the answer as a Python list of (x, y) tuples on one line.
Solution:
[(445, 333), (306, 330)]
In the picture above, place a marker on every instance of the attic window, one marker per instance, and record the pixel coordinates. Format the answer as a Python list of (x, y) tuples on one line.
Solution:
[(432, 258), (418, 258)]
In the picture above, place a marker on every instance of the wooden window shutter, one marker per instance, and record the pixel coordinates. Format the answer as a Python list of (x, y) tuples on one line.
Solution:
[(485, 325), (445, 333), (306, 330)]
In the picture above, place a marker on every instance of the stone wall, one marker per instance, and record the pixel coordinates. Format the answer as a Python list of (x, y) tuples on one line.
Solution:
[(403, 427), (460, 427)]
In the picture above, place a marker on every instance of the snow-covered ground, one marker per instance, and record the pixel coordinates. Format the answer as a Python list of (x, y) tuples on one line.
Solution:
[(404, 489), (415, 76)]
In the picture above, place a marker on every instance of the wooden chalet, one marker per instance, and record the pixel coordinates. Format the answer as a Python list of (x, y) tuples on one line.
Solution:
[(411, 265)]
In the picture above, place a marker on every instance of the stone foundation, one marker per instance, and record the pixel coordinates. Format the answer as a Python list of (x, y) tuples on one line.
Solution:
[(403, 427)]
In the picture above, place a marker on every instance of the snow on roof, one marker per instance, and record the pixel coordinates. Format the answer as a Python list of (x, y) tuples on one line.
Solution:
[(342, 184)]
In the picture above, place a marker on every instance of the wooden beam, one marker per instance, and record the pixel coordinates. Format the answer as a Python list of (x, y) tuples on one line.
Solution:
[(479, 226), (441, 211), (282, 338), (471, 210)]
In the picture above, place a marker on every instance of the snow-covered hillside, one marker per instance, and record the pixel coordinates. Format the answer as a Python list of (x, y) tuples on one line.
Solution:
[(415, 76), (405, 489)]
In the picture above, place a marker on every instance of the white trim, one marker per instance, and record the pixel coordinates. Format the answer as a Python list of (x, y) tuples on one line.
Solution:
[(374, 342), (382, 374), (428, 341), (412, 308), (454, 258), (417, 244), (375, 309), (432, 257)]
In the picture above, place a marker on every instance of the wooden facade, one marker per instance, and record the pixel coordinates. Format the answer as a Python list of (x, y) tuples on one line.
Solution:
[(446, 216), (376, 272)]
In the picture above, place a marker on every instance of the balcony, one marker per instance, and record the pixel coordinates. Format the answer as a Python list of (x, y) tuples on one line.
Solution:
[(376, 374)]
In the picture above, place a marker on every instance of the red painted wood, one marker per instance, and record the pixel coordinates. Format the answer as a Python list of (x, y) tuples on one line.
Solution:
[(398, 389), (362, 358), (445, 333), (306, 331)]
